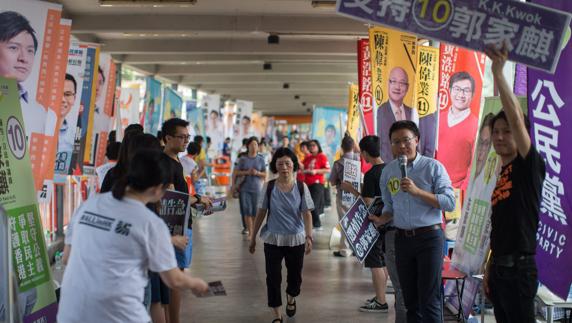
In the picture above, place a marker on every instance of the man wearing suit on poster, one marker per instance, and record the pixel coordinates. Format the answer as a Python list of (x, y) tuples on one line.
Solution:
[(395, 110)]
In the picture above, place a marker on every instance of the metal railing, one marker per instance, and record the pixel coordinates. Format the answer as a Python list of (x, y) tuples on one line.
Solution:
[(8, 301)]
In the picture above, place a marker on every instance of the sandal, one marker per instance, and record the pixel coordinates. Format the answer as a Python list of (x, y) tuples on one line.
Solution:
[(290, 312), (277, 320)]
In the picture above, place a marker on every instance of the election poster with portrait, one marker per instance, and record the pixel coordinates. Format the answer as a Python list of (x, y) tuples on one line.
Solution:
[(152, 106), (40, 74), (353, 126), (549, 103), (129, 101), (474, 226), (242, 127), (69, 112), (460, 93), (533, 32), (214, 127), (172, 104), (365, 86), (36, 296), (327, 124)]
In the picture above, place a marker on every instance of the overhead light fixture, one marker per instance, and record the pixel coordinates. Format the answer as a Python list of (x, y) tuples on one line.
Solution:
[(273, 39), (267, 66), (296, 97), (323, 4), (146, 3), (303, 104), (285, 86)]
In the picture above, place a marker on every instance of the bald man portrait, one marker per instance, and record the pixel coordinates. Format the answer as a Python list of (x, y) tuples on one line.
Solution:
[(395, 110)]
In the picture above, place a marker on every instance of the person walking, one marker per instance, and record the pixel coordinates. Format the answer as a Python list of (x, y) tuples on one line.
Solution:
[(115, 240), (316, 165), (287, 234), (511, 276)]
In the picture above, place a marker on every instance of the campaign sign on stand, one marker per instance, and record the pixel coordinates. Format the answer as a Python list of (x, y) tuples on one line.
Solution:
[(359, 230), (175, 211), (533, 32)]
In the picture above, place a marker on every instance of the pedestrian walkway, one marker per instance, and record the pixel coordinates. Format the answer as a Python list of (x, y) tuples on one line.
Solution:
[(333, 288)]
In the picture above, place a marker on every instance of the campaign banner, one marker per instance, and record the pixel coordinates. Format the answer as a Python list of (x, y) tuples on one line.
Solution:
[(520, 80), (172, 104), (425, 91), (37, 299), (214, 127), (129, 101), (360, 232), (84, 132), (474, 228), (242, 127), (460, 88), (352, 174), (71, 103), (365, 86), (549, 102), (152, 107), (197, 124), (533, 32), (175, 211), (353, 125), (326, 128)]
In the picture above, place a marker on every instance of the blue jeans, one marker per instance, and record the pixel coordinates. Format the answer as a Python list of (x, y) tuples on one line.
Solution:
[(419, 261), (184, 257)]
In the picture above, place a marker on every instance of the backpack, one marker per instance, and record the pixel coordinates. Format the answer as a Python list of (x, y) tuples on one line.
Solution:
[(270, 187)]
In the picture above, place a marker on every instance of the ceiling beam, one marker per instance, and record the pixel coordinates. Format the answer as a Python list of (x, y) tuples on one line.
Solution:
[(185, 24), (234, 46), (277, 69), (214, 79), (136, 59)]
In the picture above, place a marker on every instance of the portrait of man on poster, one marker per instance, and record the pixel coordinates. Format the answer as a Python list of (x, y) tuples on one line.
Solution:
[(394, 110), (458, 128), (18, 49), (65, 142)]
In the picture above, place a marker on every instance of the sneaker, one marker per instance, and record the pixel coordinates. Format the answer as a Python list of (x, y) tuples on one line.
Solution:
[(244, 231), (375, 307), (370, 300), (319, 228)]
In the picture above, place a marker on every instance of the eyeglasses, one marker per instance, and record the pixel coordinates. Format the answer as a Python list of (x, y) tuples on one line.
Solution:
[(184, 137), (406, 141), (465, 91), (401, 84)]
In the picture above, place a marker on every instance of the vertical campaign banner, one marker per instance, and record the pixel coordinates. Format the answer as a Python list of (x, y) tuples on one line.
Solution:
[(214, 123), (353, 124), (326, 128), (84, 130), (197, 122), (258, 127), (37, 299), (172, 104), (242, 127), (35, 27), (103, 111), (69, 112), (460, 88), (129, 105), (550, 99), (365, 86), (152, 107), (473, 234), (425, 89)]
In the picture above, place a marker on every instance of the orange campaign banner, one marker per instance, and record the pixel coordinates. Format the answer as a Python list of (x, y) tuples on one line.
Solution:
[(364, 83), (460, 89)]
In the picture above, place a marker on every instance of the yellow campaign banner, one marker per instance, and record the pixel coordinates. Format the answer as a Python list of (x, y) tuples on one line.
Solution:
[(353, 112), (427, 81)]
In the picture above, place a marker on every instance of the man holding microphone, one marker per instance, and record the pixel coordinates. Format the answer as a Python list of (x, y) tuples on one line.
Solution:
[(415, 190)]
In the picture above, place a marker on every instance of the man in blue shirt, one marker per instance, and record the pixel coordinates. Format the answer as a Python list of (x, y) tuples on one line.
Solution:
[(414, 202)]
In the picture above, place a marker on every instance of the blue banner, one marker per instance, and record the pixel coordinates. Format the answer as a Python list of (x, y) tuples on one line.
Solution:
[(327, 126), (172, 104), (534, 33), (152, 106)]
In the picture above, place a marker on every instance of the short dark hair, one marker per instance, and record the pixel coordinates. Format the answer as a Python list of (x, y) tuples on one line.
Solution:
[(250, 140), (371, 145), (12, 24), (198, 139), (487, 121), (215, 112), (208, 140), (314, 141), (304, 144), (193, 148), (169, 127), (331, 126), (502, 115), (281, 152), (246, 117), (134, 127), (70, 77), (348, 143), (461, 76), (112, 150), (404, 124), (244, 141)]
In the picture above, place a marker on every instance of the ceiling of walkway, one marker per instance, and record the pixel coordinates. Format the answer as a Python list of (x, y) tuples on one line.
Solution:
[(221, 46)]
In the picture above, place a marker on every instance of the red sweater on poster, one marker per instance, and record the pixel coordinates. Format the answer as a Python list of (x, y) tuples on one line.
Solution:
[(456, 145), (311, 162)]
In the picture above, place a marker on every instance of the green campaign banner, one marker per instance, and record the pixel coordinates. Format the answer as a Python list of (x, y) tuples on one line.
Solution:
[(37, 299)]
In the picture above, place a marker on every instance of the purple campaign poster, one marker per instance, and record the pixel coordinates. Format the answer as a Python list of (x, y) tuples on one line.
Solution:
[(359, 230), (550, 111), (520, 80)]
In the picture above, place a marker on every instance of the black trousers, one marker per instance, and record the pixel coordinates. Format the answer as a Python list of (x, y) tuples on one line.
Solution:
[(512, 291), (419, 261), (294, 257), (327, 195), (317, 193)]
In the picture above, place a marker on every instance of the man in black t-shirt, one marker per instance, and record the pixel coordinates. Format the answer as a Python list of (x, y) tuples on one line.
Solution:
[(511, 275)]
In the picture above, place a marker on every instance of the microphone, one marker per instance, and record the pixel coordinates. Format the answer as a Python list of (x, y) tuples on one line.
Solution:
[(403, 165)]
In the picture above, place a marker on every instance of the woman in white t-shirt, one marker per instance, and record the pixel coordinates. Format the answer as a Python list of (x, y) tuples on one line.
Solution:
[(111, 243)]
